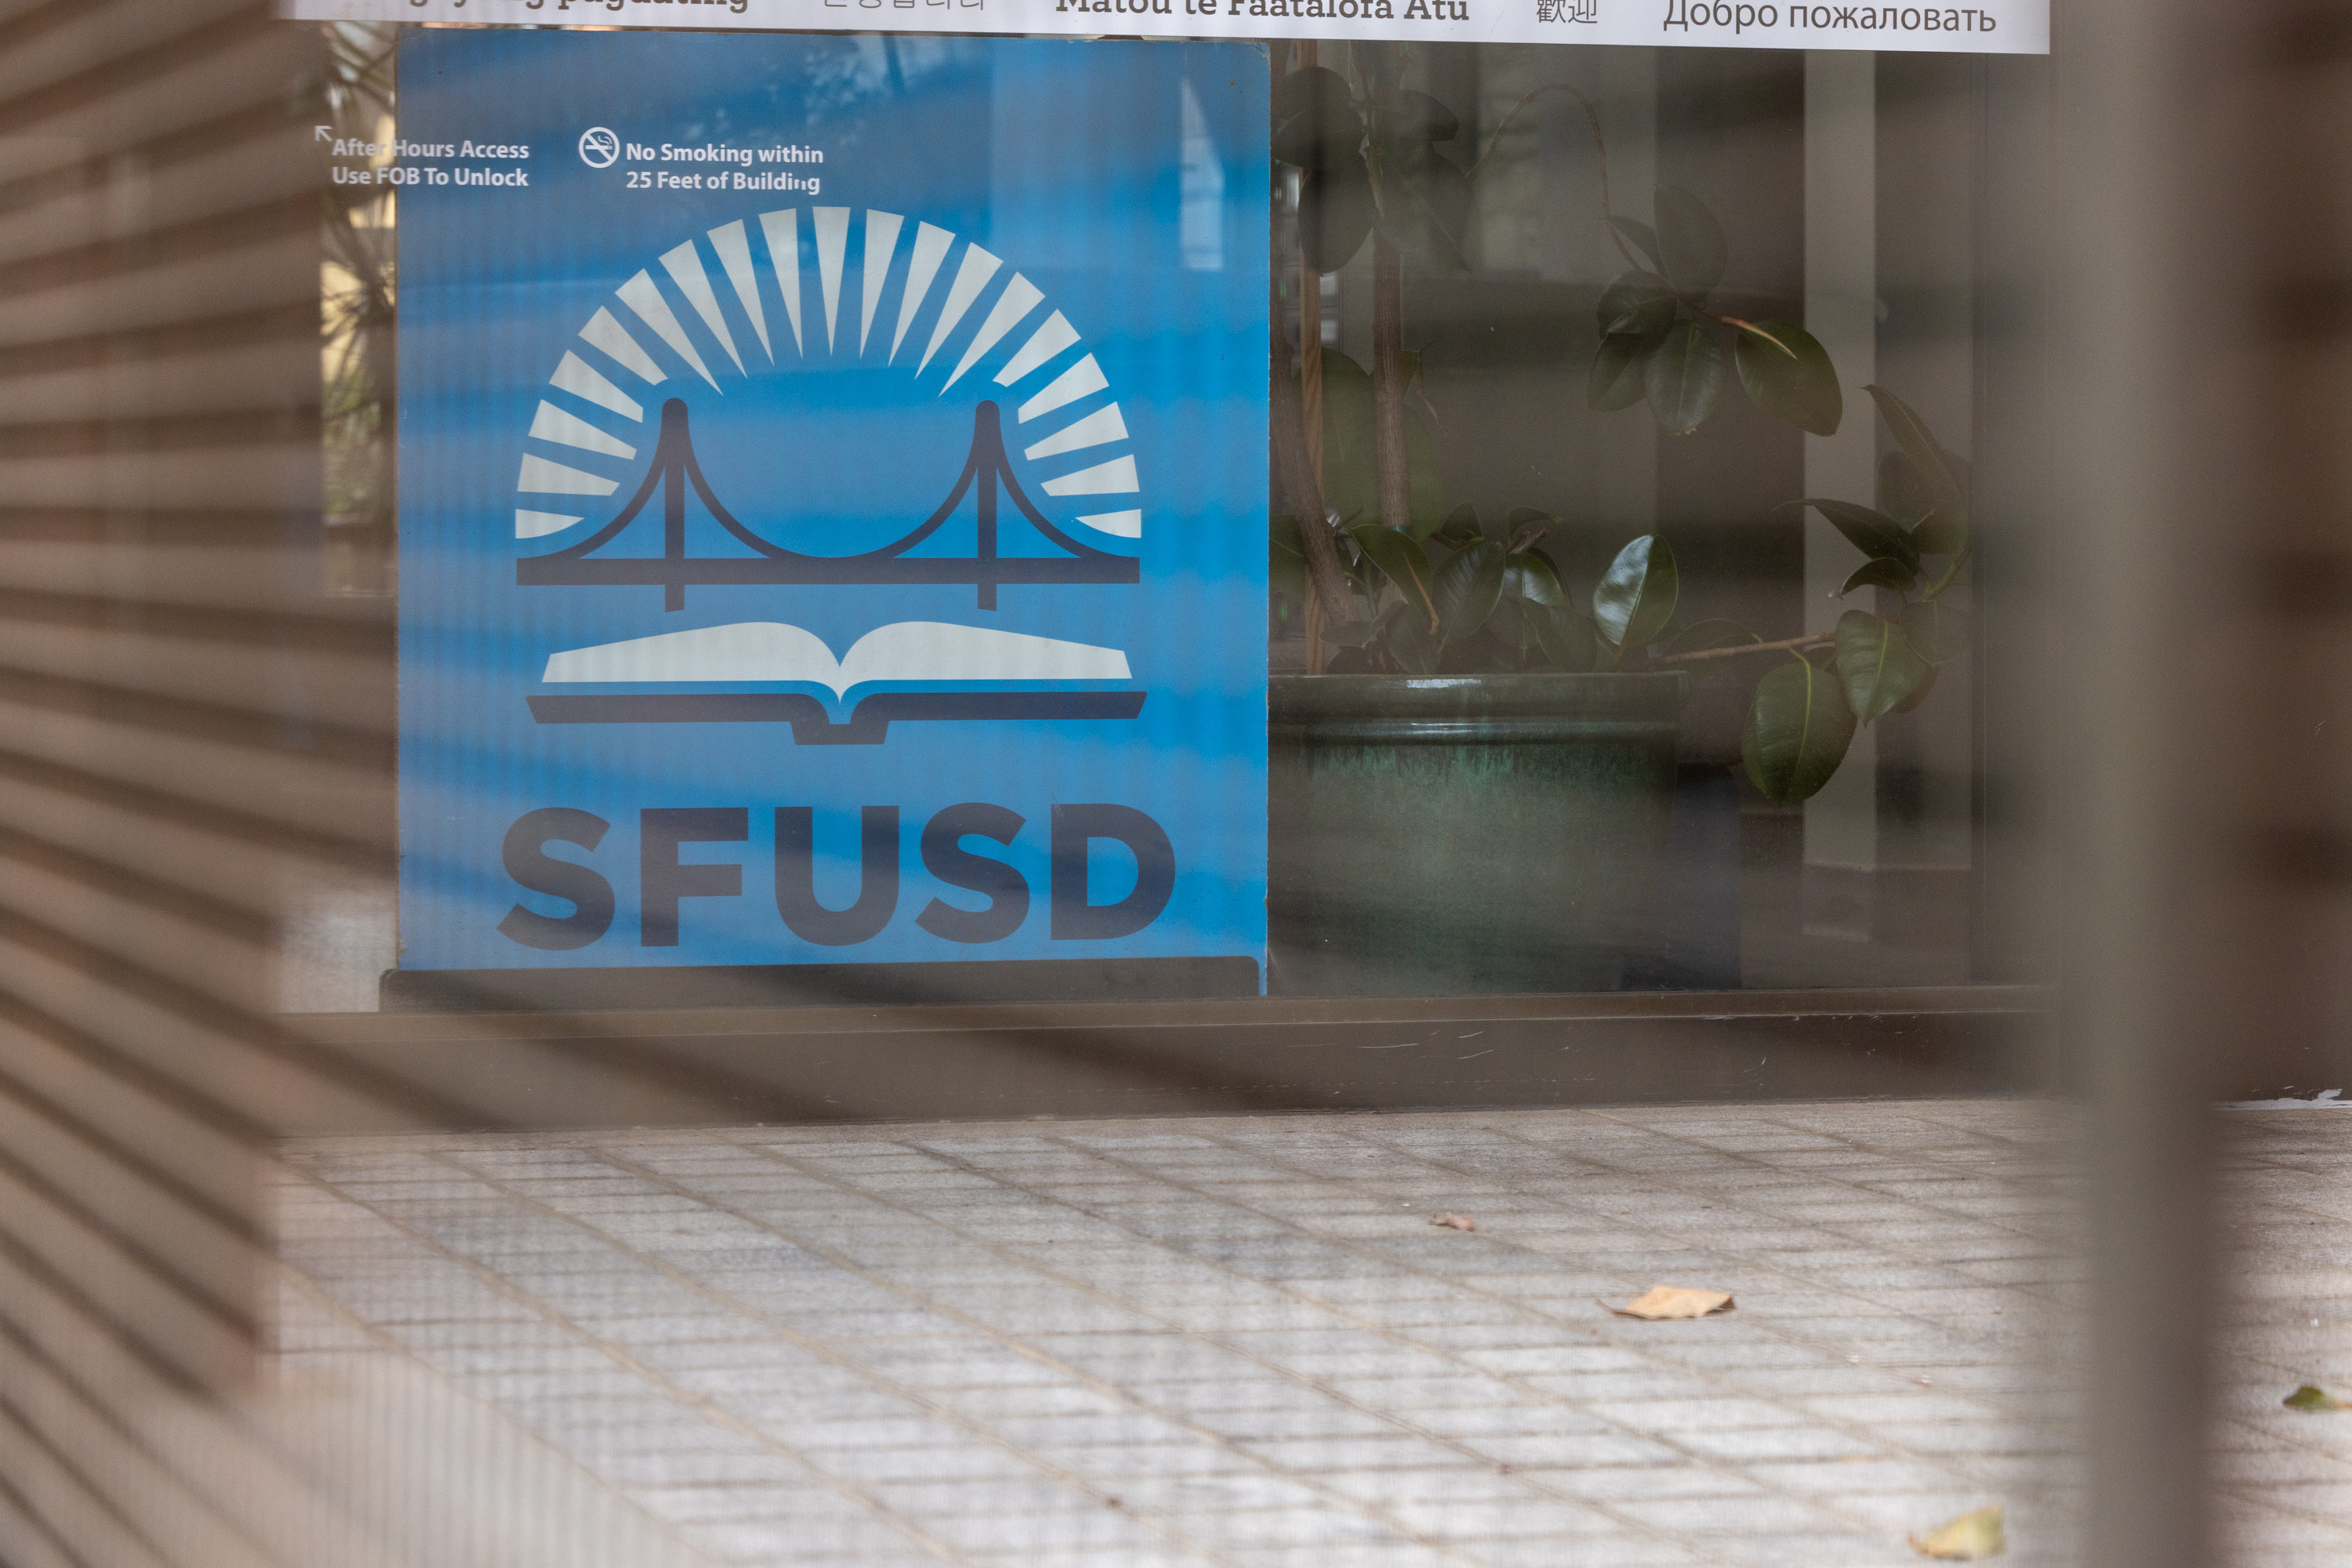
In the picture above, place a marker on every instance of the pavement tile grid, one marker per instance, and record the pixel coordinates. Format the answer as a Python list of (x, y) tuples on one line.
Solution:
[(2286, 1478), (1239, 1341)]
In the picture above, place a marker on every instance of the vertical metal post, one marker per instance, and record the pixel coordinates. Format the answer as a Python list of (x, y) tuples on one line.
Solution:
[(2143, 467)]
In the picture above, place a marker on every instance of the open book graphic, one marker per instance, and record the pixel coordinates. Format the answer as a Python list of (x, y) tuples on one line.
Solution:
[(772, 651)]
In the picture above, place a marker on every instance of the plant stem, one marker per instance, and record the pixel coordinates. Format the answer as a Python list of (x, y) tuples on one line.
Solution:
[(1388, 383), (1944, 581), (1310, 321), (1297, 475), (1296, 488), (1599, 153), (1812, 639), (1311, 363)]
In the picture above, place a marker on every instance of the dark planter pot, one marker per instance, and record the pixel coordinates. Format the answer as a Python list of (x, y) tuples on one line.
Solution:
[(1464, 834)]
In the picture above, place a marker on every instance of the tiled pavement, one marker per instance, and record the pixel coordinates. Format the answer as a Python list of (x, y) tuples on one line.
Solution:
[(1239, 1341)]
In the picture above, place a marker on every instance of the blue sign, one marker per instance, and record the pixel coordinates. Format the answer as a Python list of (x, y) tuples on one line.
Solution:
[(833, 497)]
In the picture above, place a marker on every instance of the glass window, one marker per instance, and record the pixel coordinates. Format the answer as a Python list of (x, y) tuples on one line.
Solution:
[(1671, 633)]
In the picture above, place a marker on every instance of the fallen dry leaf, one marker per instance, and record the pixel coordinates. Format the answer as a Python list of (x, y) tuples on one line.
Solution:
[(1454, 1221), (1661, 1302), (1966, 1538), (2311, 1399)]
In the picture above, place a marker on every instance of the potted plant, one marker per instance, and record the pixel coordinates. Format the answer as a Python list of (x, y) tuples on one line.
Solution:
[(1470, 785)]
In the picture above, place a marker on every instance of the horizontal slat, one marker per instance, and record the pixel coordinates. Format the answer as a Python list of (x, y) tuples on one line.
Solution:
[(261, 374), (218, 86), (159, 528), (325, 798), (356, 842), (209, 867), (365, 639), (225, 428), (203, 1143), (354, 691), (70, 1504), (232, 966), (288, 330), (134, 250), (229, 572), (160, 267), (184, 1244), (81, 1390), (261, 171), (265, 258), (284, 741), (24, 20), (215, 1057), (25, 1540), (256, 475), (111, 1280), (109, 46)]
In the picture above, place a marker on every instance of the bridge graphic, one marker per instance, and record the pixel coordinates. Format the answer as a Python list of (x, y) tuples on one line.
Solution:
[(675, 470)]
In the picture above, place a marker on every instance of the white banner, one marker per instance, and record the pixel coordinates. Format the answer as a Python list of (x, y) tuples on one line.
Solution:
[(1990, 27)]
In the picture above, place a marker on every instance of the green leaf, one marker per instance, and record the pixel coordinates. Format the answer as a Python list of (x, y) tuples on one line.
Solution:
[(1788, 374), (1318, 129), (1878, 572), (1919, 692), (2311, 1399), (1903, 490), (1528, 583), (1935, 629), (1351, 474), (1566, 639), (1416, 116), (1871, 532), (1620, 372), (1684, 376), (1508, 627), (1349, 634), (1798, 730), (1423, 202), (1529, 577), (1460, 528), (1937, 535), (1636, 305), (1465, 588), (1523, 515), (1528, 612), (1424, 478), (1634, 599), (1877, 663), (1645, 237), (1320, 97), (1691, 249), (1404, 635), (1402, 562), (1920, 445), (1335, 215)]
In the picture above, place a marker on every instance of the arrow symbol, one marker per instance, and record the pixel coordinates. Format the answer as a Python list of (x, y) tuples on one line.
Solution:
[(323, 132)]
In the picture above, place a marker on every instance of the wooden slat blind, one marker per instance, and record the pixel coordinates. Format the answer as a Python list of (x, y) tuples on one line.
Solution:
[(184, 722)]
